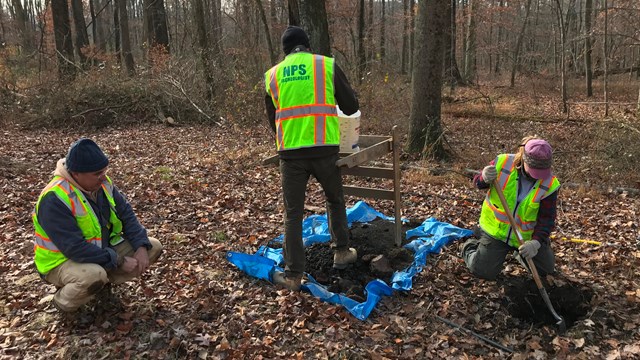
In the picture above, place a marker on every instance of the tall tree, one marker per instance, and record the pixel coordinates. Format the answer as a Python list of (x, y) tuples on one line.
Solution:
[(22, 24), (82, 38), (383, 20), (588, 7), (203, 47), (156, 24), (451, 71), (313, 18), (425, 129), (294, 12), (62, 35), (125, 42), (605, 56), (516, 51), (405, 36), (470, 52), (267, 33), (362, 57)]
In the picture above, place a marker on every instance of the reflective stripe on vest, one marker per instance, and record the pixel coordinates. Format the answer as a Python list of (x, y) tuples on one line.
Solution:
[(493, 218), (306, 115), (47, 254)]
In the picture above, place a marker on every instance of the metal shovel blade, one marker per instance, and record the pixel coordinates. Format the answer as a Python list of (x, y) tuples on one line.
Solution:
[(561, 324)]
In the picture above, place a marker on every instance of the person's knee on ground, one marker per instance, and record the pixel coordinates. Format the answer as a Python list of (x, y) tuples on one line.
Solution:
[(155, 251), (479, 265), (79, 286)]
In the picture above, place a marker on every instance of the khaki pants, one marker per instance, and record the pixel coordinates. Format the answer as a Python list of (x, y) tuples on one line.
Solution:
[(78, 283), (485, 257)]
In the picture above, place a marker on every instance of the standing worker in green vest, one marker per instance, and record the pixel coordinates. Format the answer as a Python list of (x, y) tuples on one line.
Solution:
[(86, 234), (531, 192), (302, 93)]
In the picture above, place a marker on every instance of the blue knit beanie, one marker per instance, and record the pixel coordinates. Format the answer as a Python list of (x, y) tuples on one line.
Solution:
[(85, 156)]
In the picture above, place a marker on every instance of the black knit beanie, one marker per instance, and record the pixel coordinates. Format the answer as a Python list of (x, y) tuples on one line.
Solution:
[(293, 37), (85, 156)]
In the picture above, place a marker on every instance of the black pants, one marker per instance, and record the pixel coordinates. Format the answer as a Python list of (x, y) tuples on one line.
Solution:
[(295, 175)]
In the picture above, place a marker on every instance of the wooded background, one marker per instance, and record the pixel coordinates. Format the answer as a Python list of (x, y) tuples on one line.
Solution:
[(209, 51)]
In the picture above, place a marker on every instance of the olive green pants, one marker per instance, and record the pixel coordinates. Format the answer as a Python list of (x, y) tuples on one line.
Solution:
[(78, 282), (485, 257)]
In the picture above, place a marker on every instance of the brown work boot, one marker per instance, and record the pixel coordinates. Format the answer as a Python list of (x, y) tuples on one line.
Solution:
[(290, 282), (344, 257)]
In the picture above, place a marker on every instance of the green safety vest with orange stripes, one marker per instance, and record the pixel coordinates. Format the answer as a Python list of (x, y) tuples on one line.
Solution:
[(47, 255), (494, 220), (302, 90)]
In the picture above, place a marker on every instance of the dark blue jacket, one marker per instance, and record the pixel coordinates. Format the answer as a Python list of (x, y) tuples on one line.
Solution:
[(60, 225)]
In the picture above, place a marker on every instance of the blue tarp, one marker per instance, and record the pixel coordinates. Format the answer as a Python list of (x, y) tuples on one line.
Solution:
[(428, 238)]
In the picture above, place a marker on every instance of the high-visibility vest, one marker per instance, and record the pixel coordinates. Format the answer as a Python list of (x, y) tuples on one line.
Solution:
[(302, 90), (47, 255), (493, 218)]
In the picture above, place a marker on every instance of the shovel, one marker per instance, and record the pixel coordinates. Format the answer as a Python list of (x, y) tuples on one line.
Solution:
[(561, 324)]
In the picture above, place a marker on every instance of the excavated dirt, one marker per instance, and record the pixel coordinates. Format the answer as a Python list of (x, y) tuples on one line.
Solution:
[(523, 300), (370, 240)]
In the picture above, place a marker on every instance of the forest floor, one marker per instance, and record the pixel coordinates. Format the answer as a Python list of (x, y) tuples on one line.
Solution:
[(202, 191)]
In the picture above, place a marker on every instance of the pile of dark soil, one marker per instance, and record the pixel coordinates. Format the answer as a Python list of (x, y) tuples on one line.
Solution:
[(378, 258), (523, 300)]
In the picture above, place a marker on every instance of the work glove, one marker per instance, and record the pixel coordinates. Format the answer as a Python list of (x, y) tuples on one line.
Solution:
[(529, 249), (489, 173)]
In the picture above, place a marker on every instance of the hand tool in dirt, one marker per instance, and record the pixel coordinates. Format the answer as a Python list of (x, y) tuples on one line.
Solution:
[(483, 338), (561, 324)]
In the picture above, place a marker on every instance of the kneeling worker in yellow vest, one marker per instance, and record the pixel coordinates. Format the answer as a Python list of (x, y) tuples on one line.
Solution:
[(302, 92), (531, 192), (86, 234)]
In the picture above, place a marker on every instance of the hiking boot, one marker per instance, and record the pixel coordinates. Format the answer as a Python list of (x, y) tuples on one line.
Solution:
[(344, 257), (290, 282)]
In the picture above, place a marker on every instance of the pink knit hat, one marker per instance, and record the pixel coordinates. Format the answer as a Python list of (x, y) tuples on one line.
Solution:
[(538, 159)]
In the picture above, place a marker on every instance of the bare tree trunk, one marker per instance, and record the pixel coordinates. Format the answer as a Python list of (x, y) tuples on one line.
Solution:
[(94, 30), (412, 5), (64, 44), (313, 18), (499, 40), (516, 51), (294, 12), (587, 47), (362, 57), (405, 36), (116, 32), (638, 106), (563, 69), (425, 131), (156, 24), (263, 16), (22, 20), (605, 58), (203, 44), (452, 74), (383, 20), (124, 38), (370, 47), (470, 51), (82, 38)]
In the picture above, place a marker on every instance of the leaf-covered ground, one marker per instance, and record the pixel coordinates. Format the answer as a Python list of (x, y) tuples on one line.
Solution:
[(202, 190)]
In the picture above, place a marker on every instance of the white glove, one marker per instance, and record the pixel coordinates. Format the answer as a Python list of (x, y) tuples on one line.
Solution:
[(529, 249), (489, 173)]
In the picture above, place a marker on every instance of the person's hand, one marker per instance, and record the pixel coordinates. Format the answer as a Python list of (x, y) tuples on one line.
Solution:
[(142, 256), (129, 264), (529, 249), (489, 173)]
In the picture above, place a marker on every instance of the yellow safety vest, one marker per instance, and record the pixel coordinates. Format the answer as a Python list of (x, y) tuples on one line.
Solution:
[(47, 255), (302, 91), (493, 218)]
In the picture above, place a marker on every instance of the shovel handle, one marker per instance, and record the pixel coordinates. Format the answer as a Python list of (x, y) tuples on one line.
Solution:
[(505, 206)]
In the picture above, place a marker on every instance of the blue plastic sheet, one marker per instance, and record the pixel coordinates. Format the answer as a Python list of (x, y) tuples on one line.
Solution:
[(428, 238)]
